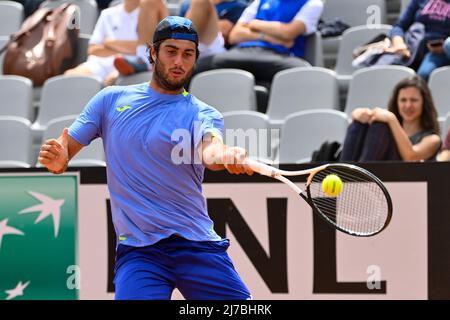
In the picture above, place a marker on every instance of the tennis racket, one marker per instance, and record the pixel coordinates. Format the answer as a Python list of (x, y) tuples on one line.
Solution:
[(362, 208)]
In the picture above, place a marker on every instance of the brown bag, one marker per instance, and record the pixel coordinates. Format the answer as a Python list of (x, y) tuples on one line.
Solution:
[(45, 46)]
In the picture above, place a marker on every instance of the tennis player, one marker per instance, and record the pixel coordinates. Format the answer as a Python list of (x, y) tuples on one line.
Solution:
[(165, 237)]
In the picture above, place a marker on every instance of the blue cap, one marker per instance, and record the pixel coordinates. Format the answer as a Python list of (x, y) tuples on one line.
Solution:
[(173, 27)]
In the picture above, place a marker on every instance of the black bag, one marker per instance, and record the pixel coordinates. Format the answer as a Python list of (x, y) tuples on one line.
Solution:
[(329, 151), (332, 29)]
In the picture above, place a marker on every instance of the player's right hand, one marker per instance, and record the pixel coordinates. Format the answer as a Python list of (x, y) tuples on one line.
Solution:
[(54, 153)]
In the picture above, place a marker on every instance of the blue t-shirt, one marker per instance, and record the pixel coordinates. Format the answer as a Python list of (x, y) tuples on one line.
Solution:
[(230, 10), (282, 11), (154, 171), (434, 14)]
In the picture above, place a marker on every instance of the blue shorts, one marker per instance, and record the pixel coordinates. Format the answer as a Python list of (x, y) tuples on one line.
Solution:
[(199, 270)]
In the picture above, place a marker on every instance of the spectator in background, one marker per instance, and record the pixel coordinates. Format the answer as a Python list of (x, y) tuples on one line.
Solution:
[(434, 14), (228, 13), (202, 13), (444, 155), (270, 37), (115, 34), (407, 131), (151, 12)]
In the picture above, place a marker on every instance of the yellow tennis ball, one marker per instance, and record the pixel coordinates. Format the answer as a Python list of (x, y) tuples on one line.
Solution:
[(332, 185)]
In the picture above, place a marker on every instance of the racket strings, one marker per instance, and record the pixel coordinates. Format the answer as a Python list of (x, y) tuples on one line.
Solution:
[(360, 208)]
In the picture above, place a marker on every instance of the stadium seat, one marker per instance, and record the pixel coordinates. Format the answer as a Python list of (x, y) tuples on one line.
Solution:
[(439, 85), (353, 13), (83, 44), (61, 96), (249, 130), (314, 49), (16, 96), (299, 89), (225, 89), (134, 79), (89, 156), (446, 127), (372, 87), (15, 142), (3, 41), (304, 132), (11, 17), (351, 39), (88, 12)]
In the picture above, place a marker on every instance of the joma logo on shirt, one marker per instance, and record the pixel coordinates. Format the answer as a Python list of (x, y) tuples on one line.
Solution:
[(123, 108)]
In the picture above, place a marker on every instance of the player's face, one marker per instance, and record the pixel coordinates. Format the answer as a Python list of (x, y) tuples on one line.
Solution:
[(174, 63), (410, 104)]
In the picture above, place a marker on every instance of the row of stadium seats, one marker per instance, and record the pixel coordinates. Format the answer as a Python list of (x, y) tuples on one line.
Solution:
[(300, 134), (12, 13), (293, 90), (312, 88)]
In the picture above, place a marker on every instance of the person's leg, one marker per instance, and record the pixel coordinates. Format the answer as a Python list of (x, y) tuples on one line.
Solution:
[(204, 16), (80, 70), (430, 62), (151, 12), (262, 63), (142, 274), (379, 144), (354, 141), (204, 271)]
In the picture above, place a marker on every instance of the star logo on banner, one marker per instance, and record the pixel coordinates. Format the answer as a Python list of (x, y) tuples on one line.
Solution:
[(5, 229), (17, 291), (47, 207)]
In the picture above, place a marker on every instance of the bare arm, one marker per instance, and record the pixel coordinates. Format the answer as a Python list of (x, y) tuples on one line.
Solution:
[(285, 31), (444, 155), (241, 32), (121, 46), (100, 50), (409, 152), (55, 154), (217, 156)]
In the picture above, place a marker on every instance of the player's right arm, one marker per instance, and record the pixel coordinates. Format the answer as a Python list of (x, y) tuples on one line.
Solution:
[(55, 154)]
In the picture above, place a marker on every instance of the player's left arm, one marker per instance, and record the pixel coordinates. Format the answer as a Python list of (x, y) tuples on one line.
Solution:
[(218, 156)]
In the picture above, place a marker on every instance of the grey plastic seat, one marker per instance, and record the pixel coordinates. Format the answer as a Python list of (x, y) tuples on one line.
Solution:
[(225, 89), (351, 39), (3, 41), (249, 130), (134, 79), (91, 155), (16, 96), (354, 13), (88, 12), (439, 85), (372, 87), (446, 127), (299, 89), (11, 17), (83, 44), (314, 49), (61, 96), (305, 131), (15, 142)]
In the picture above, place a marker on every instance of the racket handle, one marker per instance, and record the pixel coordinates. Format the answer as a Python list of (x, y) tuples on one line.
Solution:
[(261, 168)]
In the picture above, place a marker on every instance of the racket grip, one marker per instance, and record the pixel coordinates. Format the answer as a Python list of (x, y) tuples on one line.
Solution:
[(261, 168)]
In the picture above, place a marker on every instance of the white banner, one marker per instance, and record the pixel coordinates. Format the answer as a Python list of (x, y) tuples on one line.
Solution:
[(390, 265)]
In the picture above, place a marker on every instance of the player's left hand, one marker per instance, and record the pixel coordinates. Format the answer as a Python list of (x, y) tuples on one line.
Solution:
[(234, 161)]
